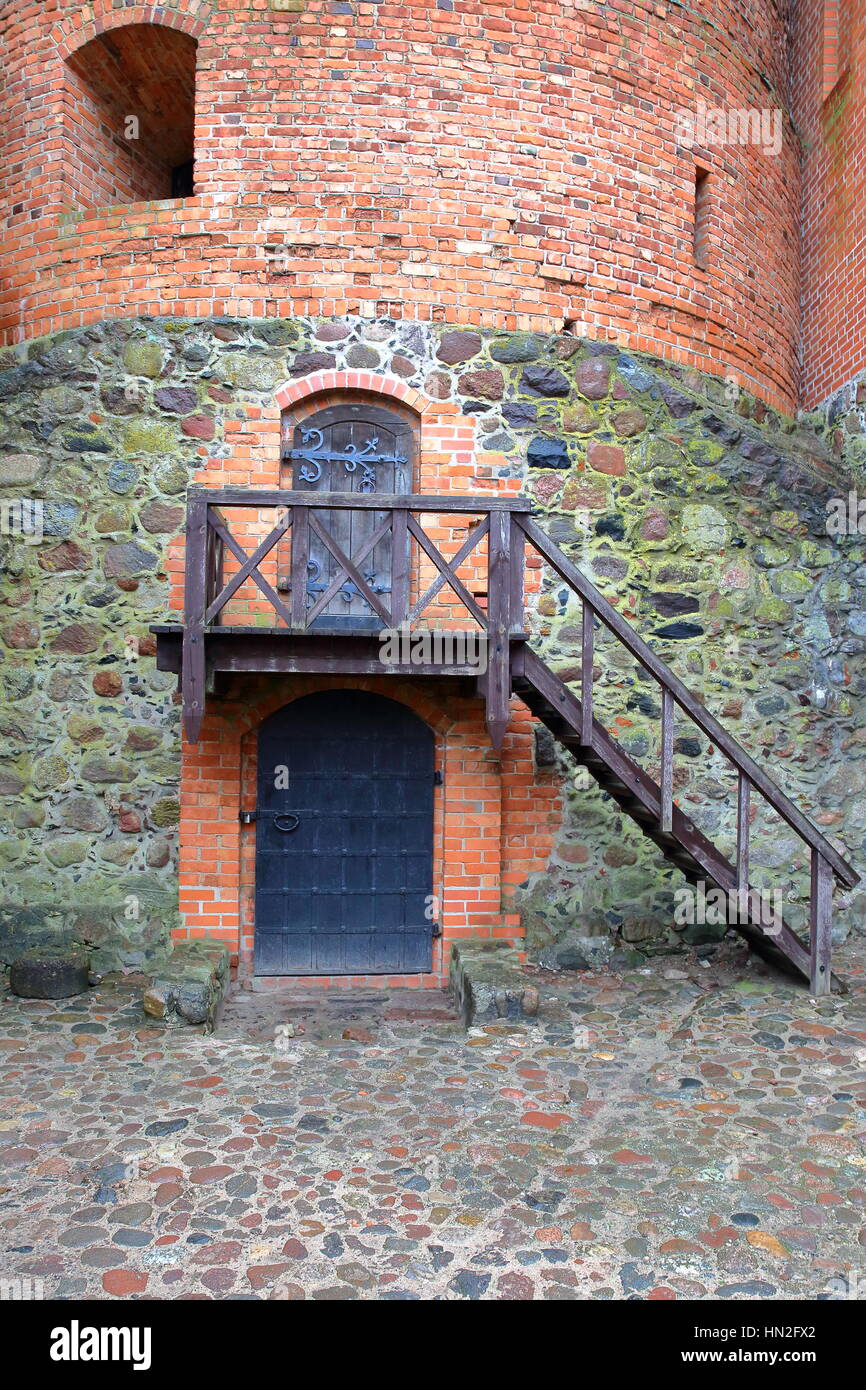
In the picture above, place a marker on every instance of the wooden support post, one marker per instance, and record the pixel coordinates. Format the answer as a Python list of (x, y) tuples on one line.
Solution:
[(399, 566), (517, 552), (821, 923), (300, 557), (667, 782), (195, 595), (498, 644), (744, 789), (586, 674)]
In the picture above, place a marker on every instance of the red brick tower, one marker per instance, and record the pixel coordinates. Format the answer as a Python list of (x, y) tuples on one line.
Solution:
[(519, 166), (830, 107)]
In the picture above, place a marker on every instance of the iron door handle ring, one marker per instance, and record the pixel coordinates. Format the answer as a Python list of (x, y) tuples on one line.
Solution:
[(290, 816)]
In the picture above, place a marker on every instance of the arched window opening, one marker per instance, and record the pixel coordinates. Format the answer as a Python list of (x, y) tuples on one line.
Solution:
[(130, 116)]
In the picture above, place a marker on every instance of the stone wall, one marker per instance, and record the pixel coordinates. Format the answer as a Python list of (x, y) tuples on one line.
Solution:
[(710, 532), (693, 507), (840, 422)]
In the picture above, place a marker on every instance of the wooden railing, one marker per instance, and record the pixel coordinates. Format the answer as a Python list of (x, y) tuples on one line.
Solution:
[(825, 861), (300, 520)]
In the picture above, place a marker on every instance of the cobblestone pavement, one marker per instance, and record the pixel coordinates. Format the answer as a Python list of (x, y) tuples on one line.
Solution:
[(690, 1131)]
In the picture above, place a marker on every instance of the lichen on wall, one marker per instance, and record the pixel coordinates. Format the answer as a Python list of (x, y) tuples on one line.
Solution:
[(695, 509), (90, 761), (705, 520), (840, 422)]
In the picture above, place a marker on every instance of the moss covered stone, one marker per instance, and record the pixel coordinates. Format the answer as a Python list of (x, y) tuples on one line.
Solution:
[(145, 436), (144, 357)]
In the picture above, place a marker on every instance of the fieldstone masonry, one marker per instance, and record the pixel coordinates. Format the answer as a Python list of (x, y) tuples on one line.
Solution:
[(697, 509), (487, 982), (189, 989)]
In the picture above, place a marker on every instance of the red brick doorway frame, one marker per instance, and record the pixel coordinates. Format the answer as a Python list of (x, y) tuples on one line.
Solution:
[(218, 853)]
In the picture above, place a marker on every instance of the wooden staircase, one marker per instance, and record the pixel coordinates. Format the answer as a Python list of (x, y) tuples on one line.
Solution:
[(640, 798), (651, 806), (211, 646)]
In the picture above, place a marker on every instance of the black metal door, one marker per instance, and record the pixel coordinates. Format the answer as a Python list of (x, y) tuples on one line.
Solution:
[(344, 838)]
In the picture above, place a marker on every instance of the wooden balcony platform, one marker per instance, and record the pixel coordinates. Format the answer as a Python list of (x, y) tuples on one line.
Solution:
[(280, 651), (333, 570)]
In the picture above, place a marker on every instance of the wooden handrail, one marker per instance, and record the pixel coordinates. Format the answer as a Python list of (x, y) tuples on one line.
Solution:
[(304, 514), (639, 649), (354, 501)]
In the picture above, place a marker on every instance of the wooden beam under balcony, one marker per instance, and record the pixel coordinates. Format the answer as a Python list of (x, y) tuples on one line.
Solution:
[(278, 651)]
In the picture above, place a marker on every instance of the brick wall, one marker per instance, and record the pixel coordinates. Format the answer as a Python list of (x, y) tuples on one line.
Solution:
[(830, 106), (512, 166)]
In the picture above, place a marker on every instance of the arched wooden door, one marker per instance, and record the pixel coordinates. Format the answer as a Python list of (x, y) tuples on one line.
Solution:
[(344, 838), (357, 447)]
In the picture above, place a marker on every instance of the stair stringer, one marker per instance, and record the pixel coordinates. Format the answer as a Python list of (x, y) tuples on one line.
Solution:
[(635, 792)]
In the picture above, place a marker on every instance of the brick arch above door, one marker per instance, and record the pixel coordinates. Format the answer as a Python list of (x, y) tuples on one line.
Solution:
[(293, 393), (450, 456)]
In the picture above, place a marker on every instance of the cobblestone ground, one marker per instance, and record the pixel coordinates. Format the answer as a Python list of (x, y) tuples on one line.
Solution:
[(691, 1131)]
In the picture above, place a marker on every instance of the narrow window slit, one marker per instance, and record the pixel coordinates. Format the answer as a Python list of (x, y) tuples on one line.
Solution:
[(701, 244)]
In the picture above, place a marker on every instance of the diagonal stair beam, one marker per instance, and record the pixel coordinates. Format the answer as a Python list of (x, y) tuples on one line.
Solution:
[(651, 806), (639, 797)]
